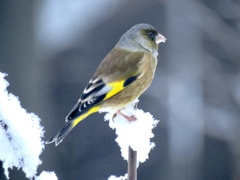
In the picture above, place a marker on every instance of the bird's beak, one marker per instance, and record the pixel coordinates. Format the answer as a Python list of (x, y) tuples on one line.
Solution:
[(160, 38)]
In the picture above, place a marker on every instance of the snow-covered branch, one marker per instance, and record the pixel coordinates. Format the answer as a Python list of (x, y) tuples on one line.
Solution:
[(20, 136), (134, 134)]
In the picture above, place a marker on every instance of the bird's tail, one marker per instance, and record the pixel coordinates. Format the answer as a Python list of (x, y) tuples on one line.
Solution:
[(61, 134), (69, 125)]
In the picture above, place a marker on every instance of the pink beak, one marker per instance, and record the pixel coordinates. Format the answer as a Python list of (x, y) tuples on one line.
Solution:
[(160, 38)]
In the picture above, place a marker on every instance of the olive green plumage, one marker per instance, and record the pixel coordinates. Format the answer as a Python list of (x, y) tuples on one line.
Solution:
[(123, 75)]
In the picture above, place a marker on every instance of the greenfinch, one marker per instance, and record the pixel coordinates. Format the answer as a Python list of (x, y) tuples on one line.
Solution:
[(123, 75)]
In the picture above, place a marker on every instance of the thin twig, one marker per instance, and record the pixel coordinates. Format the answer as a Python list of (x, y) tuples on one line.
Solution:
[(132, 164), (2, 123)]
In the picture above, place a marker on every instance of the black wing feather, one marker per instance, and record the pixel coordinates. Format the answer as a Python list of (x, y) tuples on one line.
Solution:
[(88, 98), (93, 95)]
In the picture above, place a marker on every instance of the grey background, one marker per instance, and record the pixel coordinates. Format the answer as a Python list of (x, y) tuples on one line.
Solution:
[(50, 50)]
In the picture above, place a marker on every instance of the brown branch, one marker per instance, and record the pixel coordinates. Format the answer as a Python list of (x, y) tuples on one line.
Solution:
[(132, 164)]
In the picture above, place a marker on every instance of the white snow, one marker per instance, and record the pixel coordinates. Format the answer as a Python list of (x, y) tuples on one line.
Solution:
[(20, 134), (47, 176), (136, 134), (118, 178)]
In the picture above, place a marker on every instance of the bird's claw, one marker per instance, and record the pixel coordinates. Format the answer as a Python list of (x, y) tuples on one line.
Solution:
[(129, 118)]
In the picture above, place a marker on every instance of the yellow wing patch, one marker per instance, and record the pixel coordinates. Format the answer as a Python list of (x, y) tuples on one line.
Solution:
[(115, 88)]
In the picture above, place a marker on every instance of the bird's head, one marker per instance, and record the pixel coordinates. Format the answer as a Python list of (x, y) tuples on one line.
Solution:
[(141, 37)]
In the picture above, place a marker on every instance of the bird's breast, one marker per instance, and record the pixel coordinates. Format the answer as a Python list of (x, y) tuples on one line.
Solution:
[(147, 68)]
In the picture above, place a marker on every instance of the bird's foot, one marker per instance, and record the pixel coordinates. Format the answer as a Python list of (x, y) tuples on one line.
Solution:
[(114, 116), (129, 118)]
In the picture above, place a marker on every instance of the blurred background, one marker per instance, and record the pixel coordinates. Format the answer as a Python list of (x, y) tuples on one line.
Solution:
[(51, 48)]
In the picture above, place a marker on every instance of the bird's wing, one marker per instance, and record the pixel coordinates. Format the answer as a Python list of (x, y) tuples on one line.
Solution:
[(108, 81)]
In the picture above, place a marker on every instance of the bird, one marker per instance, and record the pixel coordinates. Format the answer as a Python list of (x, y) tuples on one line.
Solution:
[(122, 76)]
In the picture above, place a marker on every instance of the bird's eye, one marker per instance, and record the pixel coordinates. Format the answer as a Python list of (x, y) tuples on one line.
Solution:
[(151, 35)]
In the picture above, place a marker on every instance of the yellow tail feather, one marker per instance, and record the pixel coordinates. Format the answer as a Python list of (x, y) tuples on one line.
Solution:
[(70, 125), (83, 116)]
